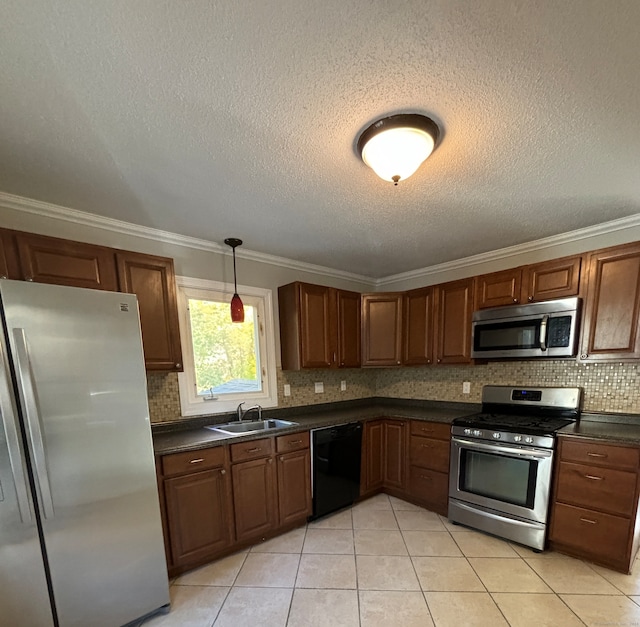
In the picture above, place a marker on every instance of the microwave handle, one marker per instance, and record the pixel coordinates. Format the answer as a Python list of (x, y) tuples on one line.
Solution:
[(543, 332)]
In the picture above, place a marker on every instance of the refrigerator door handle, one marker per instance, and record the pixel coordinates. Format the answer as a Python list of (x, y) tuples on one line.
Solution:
[(11, 431), (32, 419)]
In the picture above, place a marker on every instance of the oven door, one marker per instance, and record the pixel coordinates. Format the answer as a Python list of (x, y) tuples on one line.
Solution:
[(507, 478)]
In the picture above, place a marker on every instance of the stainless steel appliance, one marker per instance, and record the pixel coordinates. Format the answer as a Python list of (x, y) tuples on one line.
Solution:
[(80, 533), (502, 459), (548, 329), (335, 467)]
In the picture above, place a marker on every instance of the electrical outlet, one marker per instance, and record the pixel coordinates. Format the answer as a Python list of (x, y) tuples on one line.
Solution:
[(343, 386), (466, 387), (287, 389), (319, 387)]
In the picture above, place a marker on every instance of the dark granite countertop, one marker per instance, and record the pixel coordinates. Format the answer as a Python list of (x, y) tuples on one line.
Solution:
[(614, 428), (191, 434)]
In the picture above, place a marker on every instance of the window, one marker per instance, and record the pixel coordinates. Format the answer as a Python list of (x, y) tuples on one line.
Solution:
[(225, 363)]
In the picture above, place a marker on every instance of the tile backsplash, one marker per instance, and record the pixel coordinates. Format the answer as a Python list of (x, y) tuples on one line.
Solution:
[(608, 387)]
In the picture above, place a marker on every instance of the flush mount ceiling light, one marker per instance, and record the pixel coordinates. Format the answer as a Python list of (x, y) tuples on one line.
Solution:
[(394, 147), (237, 308)]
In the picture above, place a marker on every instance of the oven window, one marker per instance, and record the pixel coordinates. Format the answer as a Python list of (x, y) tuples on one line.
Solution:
[(507, 479), (507, 335)]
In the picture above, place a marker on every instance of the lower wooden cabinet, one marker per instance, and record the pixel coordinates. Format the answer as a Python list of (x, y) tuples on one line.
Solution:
[(196, 498), (373, 457), (429, 447), (294, 478), (395, 457), (384, 455), (594, 514)]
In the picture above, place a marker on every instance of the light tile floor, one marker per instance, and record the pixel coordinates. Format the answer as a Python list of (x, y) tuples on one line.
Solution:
[(386, 562)]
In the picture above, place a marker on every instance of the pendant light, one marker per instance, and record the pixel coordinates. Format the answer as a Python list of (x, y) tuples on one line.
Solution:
[(237, 308), (396, 146)]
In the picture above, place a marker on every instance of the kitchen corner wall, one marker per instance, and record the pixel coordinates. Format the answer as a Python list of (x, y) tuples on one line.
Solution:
[(608, 387)]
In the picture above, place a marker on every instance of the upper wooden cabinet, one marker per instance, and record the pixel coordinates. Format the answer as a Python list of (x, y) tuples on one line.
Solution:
[(319, 327), (417, 332), (454, 309), (64, 262), (382, 329), (610, 326), (9, 263), (558, 278), (152, 280)]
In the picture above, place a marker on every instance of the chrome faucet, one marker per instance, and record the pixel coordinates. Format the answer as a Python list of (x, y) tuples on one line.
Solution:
[(242, 414)]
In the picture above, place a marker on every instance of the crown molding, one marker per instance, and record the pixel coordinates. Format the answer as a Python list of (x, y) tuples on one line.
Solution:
[(49, 210), (513, 251)]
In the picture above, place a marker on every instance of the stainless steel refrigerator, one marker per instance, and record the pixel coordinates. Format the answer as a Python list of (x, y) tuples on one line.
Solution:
[(80, 533)]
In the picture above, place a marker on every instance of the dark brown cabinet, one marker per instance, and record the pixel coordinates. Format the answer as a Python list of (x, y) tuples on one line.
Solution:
[(382, 329), (254, 489), (395, 446), (429, 445), (152, 280), (64, 262), (373, 457), (9, 263), (384, 456), (454, 309), (558, 278), (294, 478), (319, 327), (594, 514), (418, 337), (197, 505), (612, 308)]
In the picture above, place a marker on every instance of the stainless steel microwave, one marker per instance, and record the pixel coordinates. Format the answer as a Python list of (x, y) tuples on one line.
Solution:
[(548, 329)]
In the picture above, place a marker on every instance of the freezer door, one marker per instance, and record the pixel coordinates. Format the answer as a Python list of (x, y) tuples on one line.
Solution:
[(24, 597), (82, 395)]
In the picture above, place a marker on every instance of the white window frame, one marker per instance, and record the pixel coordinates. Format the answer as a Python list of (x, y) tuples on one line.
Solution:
[(190, 403)]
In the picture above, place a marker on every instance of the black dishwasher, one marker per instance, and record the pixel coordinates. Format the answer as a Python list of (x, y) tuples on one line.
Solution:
[(335, 467)]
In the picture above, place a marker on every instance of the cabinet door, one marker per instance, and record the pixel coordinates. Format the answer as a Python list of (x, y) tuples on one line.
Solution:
[(373, 456), (612, 309), (152, 280), (64, 262), (294, 486), (418, 327), (9, 264), (348, 305), (382, 329), (395, 444), (454, 311), (198, 515), (498, 288), (317, 346), (558, 278), (254, 498)]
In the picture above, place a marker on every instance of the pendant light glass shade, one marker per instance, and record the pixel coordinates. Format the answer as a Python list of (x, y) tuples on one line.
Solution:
[(237, 308), (395, 147)]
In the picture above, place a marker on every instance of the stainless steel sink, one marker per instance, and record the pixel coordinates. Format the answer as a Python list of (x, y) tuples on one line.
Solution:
[(235, 428)]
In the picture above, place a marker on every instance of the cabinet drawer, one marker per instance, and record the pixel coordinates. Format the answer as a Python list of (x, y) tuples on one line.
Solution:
[(292, 442), (598, 488), (430, 487), (193, 461), (428, 453), (592, 532), (251, 450), (595, 453), (437, 430)]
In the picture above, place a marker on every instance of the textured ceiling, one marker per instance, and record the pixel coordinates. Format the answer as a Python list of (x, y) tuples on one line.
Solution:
[(237, 118)]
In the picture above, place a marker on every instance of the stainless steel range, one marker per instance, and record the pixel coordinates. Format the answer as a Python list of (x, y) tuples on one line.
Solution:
[(502, 459)]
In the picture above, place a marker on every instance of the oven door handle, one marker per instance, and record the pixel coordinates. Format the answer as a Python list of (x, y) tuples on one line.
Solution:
[(512, 521), (534, 454)]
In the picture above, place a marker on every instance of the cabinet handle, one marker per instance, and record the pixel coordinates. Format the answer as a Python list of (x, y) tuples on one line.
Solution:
[(334, 357), (515, 300), (425, 446), (270, 461), (196, 461), (428, 361), (530, 299), (439, 360), (426, 430), (223, 472), (295, 442), (29, 278), (588, 520), (398, 363), (594, 477), (281, 458), (584, 356), (4, 276), (425, 477), (597, 454), (253, 450), (178, 365)]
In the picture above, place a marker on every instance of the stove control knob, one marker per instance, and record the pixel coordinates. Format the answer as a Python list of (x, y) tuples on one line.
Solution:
[(529, 440), (517, 438), (497, 436), (467, 431), (477, 433)]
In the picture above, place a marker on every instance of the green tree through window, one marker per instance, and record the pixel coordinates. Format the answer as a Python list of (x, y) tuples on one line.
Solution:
[(224, 352)]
